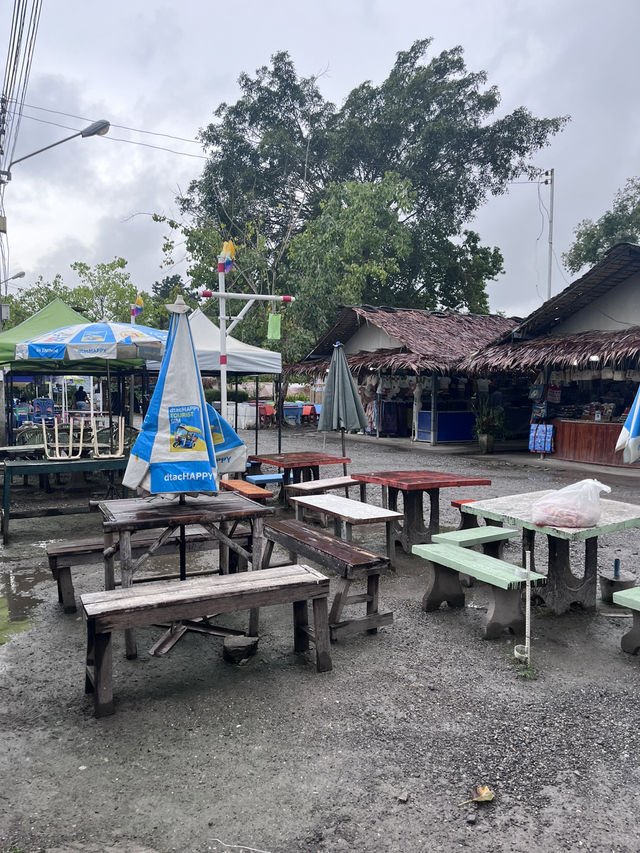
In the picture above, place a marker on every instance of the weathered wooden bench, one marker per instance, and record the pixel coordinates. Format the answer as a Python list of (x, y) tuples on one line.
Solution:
[(327, 484), (249, 490), (172, 601), (63, 556), (347, 560), (505, 582), (630, 598)]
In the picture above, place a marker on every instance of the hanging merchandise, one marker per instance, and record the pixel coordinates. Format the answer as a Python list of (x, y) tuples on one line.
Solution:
[(536, 392), (273, 329), (541, 438), (554, 393)]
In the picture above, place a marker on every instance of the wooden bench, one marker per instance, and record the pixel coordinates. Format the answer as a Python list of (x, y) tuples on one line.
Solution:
[(63, 556), (505, 582), (327, 484), (630, 598), (348, 561), (249, 490), (172, 601)]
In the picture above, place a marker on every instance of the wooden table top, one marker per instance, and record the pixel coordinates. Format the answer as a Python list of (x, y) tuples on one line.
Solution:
[(346, 509), (145, 513), (408, 481), (304, 459), (516, 511)]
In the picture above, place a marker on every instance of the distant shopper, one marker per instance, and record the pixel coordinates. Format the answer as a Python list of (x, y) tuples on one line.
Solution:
[(80, 399)]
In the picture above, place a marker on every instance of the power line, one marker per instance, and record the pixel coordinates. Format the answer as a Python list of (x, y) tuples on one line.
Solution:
[(111, 138), (119, 126)]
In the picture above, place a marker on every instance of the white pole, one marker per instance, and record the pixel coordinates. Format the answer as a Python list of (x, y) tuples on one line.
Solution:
[(550, 261), (223, 337), (527, 612)]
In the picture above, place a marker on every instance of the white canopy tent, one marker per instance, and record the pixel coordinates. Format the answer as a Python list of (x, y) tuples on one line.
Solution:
[(242, 358)]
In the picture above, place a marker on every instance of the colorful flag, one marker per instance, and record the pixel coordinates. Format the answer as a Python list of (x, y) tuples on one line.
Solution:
[(136, 308), (229, 254)]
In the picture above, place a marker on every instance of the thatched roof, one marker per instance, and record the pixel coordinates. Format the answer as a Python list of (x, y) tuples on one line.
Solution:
[(431, 342), (531, 345), (613, 349)]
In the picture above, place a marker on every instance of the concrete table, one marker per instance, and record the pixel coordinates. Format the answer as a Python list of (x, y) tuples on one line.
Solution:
[(563, 587)]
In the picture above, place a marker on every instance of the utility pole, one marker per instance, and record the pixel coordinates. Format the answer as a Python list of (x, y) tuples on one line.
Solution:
[(549, 181)]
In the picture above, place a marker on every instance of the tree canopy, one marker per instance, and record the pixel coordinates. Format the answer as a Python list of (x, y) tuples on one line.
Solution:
[(621, 224), (368, 201)]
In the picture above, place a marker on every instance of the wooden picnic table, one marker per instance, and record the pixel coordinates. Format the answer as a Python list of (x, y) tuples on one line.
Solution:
[(298, 467), (347, 514), (33, 467), (563, 587), (413, 485), (218, 514)]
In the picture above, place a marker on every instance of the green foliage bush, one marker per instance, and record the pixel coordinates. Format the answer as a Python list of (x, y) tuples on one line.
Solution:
[(212, 395)]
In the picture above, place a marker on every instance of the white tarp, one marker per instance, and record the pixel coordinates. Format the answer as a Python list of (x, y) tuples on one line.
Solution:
[(241, 358)]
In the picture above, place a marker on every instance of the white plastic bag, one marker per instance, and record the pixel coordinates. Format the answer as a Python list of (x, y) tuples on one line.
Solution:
[(577, 505)]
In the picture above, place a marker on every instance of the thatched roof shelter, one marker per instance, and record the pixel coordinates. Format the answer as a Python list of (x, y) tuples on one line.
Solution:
[(429, 342), (532, 344)]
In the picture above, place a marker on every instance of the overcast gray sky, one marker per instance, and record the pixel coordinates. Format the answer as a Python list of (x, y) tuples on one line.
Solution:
[(165, 66)]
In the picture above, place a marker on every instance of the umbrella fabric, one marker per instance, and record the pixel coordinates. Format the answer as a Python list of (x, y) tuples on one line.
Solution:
[(174, 452), (230, 450), (104, 340), (629, 438), (341, 406)]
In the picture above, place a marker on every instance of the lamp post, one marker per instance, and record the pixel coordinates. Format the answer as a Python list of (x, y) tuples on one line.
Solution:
[(20, 274), (96, 128)]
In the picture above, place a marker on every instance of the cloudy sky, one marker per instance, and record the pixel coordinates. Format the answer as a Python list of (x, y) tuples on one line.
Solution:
[(153, 67)]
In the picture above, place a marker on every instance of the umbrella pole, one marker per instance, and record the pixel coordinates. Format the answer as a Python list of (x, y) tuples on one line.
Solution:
[(183, 546), (110, 409), (344, 464)]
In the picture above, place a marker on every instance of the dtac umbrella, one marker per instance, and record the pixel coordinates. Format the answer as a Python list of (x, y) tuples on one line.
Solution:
[(103, 340), (629, 438), (341, 406), (94, 341), (174, 452)]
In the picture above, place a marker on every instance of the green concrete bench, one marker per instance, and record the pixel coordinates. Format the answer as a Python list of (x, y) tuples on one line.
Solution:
[(630, 598), (504, 580), (492, 539)]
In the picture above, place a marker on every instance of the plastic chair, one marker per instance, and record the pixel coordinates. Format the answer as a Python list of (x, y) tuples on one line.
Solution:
[(43, 411)]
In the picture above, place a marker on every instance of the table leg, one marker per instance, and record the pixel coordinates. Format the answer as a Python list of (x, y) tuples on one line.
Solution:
[(6, 504), (563, 588), (258, 546), (413, 531), (529, 544), (109, 575), (126, 578)]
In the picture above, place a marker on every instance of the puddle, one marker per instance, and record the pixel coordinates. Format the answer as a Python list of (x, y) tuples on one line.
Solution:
[(18, 600)]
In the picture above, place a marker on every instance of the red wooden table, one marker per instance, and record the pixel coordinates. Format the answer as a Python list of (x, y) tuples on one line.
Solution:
[(413, 484), (300, 467)]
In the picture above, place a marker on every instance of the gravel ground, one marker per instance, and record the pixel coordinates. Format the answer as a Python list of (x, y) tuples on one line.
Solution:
[(377, 755)]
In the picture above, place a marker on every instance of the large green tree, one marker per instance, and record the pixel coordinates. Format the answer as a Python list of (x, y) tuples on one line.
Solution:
[(621, 224), (281, 159)]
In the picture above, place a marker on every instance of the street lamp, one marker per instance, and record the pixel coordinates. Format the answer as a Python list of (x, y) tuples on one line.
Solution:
[(97, 128), (20, 274)]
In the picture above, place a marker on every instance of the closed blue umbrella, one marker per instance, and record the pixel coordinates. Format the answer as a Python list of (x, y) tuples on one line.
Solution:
[(174, 453), (629, 438), (341, 406)]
